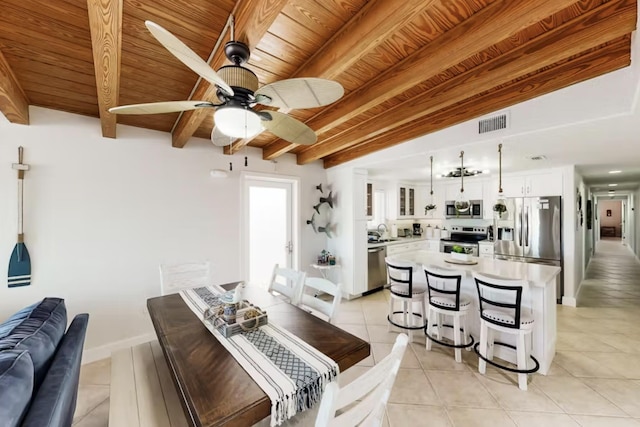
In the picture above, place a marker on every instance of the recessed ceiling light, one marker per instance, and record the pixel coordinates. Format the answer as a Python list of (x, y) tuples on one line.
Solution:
[(615, 171), (613, 185)]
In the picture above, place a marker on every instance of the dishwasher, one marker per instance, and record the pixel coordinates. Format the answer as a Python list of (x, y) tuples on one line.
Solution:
[(377, 268)]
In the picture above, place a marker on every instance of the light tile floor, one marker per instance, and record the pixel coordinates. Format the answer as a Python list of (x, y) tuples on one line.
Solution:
[(594, 380)]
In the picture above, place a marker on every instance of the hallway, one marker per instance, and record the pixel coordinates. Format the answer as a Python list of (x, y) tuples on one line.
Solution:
[(612, 277)]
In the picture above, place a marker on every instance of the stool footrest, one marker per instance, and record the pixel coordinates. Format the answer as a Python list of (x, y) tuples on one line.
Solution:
[(397, 325), (446, 344), (507, 368)]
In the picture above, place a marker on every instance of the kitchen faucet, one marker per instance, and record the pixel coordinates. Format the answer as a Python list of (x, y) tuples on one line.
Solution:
[(385, 228)]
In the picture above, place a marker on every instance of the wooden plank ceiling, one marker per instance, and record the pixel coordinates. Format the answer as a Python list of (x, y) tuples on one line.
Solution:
[(408, 68)]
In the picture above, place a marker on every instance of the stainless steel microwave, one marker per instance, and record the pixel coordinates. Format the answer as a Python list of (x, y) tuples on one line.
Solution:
[(475, 211)]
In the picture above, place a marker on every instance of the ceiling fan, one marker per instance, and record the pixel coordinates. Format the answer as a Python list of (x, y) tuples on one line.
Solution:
[(238, 93)]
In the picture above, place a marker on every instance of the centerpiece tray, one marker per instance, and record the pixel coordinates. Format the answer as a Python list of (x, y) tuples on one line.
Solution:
[(461, 261), (247, 318)]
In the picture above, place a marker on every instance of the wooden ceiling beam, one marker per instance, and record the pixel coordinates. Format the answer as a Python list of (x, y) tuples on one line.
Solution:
[(494, 23), (252, 21), (373, 24), (105, 20), (593, 64), (607, 22), (14, 103)]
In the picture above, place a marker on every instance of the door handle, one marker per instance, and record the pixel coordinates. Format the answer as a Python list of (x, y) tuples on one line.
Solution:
[(375, 250), (520, 233), (526, 220)]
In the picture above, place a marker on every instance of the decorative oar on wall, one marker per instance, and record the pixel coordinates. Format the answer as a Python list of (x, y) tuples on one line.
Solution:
[(20, 263)]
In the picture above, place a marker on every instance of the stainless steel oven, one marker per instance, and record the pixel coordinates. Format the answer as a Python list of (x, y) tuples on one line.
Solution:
[(475, 211)]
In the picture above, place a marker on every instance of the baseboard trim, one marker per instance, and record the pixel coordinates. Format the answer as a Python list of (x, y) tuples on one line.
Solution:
[(569, 301), (104, 351)]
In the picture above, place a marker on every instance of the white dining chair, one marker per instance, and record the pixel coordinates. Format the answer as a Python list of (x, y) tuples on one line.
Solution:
[(287, 282), (373, 388), (318, 303), (362, 402), (175, 277)]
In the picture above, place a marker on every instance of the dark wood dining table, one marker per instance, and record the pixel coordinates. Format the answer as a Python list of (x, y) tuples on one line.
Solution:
[(213, 388)]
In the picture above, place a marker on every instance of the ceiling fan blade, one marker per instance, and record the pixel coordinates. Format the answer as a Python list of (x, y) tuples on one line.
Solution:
[(187, 56), (161, 107), (300, 93), (219, 139), (286, 127)]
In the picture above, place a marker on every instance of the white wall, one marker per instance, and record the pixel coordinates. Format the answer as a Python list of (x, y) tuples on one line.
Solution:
[(570, 247), (101, 215)]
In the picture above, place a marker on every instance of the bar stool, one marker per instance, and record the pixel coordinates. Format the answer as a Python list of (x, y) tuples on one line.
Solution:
[(443, 286), (404, 290), (501, 310)]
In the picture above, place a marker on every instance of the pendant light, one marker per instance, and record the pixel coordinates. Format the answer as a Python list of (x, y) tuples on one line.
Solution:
[(430, 206), (500, 207), (462, 204)]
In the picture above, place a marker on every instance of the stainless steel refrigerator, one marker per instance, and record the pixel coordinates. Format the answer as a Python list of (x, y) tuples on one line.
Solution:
[(531, 231)]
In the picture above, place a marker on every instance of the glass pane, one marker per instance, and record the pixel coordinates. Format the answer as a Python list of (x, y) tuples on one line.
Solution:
[(268, 231)]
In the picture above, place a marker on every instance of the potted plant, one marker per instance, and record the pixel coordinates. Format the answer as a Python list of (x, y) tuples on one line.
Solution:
[(500, 209), (459, 253)]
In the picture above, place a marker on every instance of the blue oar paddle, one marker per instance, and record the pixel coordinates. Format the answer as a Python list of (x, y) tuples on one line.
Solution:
[(20, 263)]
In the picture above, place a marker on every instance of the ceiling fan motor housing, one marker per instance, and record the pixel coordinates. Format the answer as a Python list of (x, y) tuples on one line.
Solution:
[(240, 79)]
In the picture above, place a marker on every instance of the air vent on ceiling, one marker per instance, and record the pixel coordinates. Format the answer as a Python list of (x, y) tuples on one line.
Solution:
[(492, 123), (539, 157)]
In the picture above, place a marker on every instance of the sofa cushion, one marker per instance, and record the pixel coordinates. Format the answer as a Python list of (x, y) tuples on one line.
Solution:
[(15, 320), (16, 386), (55, 401), (38, 331)]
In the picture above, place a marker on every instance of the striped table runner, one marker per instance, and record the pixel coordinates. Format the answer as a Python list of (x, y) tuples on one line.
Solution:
[(291, 372)]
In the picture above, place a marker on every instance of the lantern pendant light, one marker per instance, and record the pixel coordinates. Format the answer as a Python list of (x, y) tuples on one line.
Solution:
[(462, 204), (431, 206), (500, 207)]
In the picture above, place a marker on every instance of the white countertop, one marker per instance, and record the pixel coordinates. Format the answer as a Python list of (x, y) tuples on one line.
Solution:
[(400, 240), (537, 274)]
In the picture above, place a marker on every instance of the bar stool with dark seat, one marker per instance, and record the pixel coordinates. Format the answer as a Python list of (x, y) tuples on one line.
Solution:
[(405, 290), (443, 286), (500, 302)]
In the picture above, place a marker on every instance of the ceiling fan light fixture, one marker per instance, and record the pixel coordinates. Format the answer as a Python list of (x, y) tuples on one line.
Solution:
[(237, 122)]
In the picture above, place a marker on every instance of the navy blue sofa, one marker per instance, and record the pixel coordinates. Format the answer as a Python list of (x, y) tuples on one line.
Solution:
[(40, 365)]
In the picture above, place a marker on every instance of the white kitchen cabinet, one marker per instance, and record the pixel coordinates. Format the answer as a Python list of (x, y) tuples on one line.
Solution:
[(486, 249), (369, 202), (533, 184), (360, 196), (422, 198), (406, 198), (360, 274)]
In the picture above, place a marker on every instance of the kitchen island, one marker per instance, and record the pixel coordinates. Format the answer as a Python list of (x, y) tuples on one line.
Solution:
[(540, 298)]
